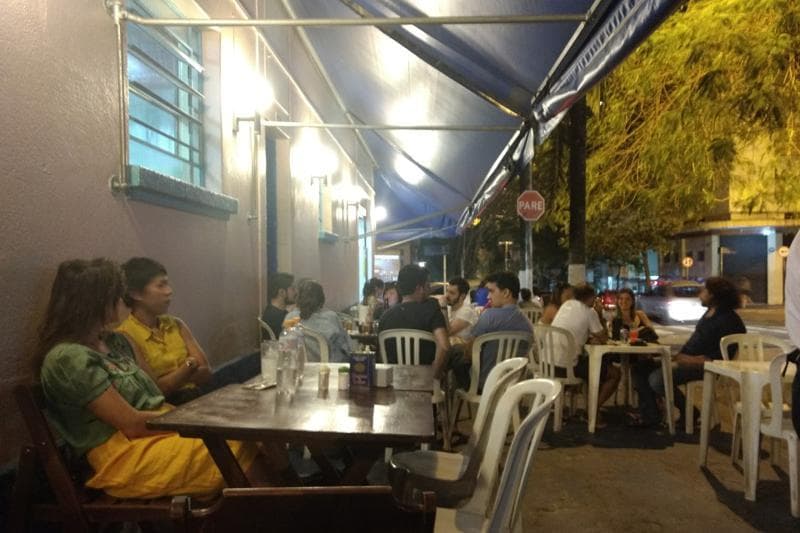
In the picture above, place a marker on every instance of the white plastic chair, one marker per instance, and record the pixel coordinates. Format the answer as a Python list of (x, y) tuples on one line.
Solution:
[(322, 342), (452, 475), (532, 313), (555, 345), (407, 344), (779, 426), (750, 348), (265, 327), (509, 344), (482, 512)]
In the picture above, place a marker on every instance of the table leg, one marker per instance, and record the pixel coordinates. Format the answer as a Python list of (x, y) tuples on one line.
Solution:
[(751, 421), (669, 391), (705, 415), (364, 456), (226, 461), (595, 362)]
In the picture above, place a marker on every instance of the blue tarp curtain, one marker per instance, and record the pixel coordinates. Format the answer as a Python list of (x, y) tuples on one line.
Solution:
[(522, 76)]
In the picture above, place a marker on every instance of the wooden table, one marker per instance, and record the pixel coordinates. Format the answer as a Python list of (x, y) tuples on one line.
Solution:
[(365, 420), (752, 377), (596, 353)]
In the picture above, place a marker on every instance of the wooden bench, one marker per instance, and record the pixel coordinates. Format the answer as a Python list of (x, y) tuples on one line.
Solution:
[(331, 509), (75, 507)]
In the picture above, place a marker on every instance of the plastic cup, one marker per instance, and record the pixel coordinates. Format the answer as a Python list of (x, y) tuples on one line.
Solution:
[(633, 336)]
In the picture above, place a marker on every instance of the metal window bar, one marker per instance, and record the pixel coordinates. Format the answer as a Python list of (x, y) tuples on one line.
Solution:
[(141, 55), (170, 40), (143, 92), (163, 151), (165, 135)]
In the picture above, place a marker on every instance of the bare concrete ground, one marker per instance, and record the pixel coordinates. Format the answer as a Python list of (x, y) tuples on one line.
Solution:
[(625, 479)]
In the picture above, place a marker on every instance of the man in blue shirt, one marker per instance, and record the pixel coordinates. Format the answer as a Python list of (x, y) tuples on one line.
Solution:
[(503, 315), (721, 319)]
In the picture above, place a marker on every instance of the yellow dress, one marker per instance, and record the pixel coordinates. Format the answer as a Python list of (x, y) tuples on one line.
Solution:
[(160, 465), (164, 349)]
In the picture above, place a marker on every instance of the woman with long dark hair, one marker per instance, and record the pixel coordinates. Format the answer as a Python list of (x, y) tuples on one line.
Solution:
[(310, 311), (99, 399)]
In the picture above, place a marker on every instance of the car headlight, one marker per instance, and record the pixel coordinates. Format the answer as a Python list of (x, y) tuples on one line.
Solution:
[(685, 309)]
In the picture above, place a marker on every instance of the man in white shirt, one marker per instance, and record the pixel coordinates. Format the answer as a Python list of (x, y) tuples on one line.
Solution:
[(792, 304), (579, 318), (462, 315)]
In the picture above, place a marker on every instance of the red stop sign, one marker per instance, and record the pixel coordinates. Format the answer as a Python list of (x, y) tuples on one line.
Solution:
[(530, 206)]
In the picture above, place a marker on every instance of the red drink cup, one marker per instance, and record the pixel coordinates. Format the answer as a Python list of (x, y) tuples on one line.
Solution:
[(634, 335)]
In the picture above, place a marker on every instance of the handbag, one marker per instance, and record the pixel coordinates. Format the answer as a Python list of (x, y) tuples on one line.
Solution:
[(648, 334)]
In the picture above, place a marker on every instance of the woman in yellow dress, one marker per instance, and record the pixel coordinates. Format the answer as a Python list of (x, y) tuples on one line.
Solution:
[(99, 399), (164, 345)]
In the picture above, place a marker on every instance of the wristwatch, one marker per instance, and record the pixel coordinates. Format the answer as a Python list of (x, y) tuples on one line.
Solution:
[(190, 363)]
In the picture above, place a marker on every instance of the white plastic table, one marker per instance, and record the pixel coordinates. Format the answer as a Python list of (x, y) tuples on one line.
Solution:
[(596, 353), (752, 376)]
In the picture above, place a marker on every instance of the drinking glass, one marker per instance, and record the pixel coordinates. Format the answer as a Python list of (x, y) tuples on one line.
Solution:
[(287, 373), (269, 361)]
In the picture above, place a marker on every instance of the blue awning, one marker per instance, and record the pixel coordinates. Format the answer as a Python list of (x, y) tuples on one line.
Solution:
[(519, 76)]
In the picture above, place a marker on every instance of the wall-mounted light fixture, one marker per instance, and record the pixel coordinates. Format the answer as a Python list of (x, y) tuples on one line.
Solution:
[(253, 99), (311, 159)]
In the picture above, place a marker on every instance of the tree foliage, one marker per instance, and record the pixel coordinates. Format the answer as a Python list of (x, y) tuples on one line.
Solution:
[(701, 118)]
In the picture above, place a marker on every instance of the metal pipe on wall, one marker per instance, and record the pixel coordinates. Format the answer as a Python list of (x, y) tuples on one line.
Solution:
[(117, 12)]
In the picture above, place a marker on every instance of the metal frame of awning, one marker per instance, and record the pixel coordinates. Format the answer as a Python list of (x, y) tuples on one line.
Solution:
[(357, 126), (361, 21)]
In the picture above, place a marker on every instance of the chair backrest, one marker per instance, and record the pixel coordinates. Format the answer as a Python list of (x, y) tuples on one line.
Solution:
[(750, 346), (504, 374), (321, 341), (532, 313), (554, 346), (30, 400), (527, 437), (406, 342), (775, 423), (265, 327), (334, 509), (509, 344), (505, 510)]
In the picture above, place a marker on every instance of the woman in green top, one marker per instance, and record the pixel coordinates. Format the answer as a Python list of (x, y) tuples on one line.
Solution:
[(100, 400)]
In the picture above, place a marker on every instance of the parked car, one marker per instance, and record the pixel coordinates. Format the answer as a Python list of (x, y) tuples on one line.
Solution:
[(673, 302)]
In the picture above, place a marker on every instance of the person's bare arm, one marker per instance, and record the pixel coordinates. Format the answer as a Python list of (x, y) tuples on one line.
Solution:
[(203, 371), (548, 314), (457, 325), (171, 381), (112, 409), (442, 347), (601, 337), (644, 320), (690, 360)]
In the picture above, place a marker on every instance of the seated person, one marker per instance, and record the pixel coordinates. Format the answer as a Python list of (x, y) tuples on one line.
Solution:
[(562, 293), (169, 352), (526, 299), (418, 311), (721, 298), (628, 317), (390, 298), (99, 399), (579, 318), (310, 299), (503, 315), (462, 315), (281, 294)]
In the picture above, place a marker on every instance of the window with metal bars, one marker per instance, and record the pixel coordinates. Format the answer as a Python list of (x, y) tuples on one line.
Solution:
[(165, 92)]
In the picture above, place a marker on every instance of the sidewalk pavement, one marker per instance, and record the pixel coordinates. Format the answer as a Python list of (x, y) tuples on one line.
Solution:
[(767, 315)]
